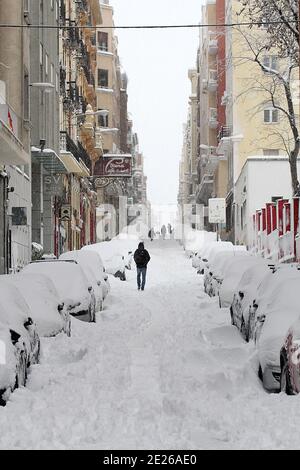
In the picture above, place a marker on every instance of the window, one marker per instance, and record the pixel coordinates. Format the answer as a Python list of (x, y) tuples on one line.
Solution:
[(103, 78), (103, 120), (103, 41), (41, 61), (26, 96), (213, 75), (57, 83), (26, 8), (270, 152), (265, 22), (271, 115), (46, 64), (52, 73), (213, 114), (270, 62)]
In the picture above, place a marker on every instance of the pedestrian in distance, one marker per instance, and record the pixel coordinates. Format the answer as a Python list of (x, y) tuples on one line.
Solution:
[(141, 258), (163, 231), (151, 234)]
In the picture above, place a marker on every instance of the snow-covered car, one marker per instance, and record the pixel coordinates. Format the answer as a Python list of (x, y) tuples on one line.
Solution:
[(244, 294), (89, 261), (93, 258), (281, 311), (49, 314), (20, 346), (213, 276), (210, 250), (116, 255), (290, 361), (13, 363), (195, 240), (233, 273), (72, 285), (264, 292)]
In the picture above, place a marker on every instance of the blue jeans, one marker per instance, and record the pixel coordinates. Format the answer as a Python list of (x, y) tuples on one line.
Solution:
[(141, 272)]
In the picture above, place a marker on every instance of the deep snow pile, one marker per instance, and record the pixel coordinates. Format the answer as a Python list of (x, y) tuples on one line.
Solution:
[(163, 369)]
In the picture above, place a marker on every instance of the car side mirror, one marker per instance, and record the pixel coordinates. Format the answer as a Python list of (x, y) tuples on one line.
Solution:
[(28, 323), (261, 318)]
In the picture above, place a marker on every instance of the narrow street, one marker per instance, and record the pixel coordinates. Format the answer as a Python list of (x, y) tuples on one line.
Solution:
[(163, 369)]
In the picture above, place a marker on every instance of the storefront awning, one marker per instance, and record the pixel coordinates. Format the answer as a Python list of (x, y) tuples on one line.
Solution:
[(51, 162), (73, 165)]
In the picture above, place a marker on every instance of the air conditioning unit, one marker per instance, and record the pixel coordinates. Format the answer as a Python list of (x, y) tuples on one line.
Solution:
[(66, 212)]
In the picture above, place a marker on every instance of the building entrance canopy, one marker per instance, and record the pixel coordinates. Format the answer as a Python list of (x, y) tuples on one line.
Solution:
[(51, 162)]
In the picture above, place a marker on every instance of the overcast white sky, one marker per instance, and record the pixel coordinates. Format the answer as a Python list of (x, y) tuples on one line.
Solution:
[(157, 63)]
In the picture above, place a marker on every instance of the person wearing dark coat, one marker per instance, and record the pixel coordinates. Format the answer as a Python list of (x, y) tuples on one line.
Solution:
[(141, 258)]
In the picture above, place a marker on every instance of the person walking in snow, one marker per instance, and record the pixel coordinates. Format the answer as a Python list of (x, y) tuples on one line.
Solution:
[(151, 234), (141, 258)]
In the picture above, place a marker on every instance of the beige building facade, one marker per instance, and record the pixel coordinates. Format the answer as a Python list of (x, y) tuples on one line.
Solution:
[(15, 168)]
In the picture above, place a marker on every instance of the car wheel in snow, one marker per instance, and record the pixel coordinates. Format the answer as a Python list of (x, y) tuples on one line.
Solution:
[(260, 373), (21, 375), (231, 315), (244, 331), (69, 329), (285, 379)]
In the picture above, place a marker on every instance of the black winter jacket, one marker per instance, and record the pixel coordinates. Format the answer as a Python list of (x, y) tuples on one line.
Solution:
[(141, 258)]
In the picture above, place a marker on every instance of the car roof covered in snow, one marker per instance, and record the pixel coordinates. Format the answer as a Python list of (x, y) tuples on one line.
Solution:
[(68, 278), (43, 299), (219, 260)]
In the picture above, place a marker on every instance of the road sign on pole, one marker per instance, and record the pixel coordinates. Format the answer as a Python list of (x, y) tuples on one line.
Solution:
[(217, 211)]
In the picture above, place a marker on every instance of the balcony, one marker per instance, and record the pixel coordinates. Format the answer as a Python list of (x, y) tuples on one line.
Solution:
[(67, 145), (225, 131), (205, 188), (224, 139), (12, 150)]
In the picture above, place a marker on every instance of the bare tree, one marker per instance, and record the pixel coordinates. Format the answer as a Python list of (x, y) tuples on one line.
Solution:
[(280, 35), (280, 20)]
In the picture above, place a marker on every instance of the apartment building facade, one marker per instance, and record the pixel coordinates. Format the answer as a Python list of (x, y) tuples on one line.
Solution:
[(236, 119), (15, 171), (254, 128)]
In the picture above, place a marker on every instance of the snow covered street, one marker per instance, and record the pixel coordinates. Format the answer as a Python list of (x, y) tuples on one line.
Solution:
[(161, 369)]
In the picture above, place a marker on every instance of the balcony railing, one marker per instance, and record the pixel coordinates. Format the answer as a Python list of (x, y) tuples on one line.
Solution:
[(225, 131), (78, 151)]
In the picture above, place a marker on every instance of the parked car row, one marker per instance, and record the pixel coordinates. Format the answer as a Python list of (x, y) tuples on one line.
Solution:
[(263, 300), (38, 302), (117, 255)]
